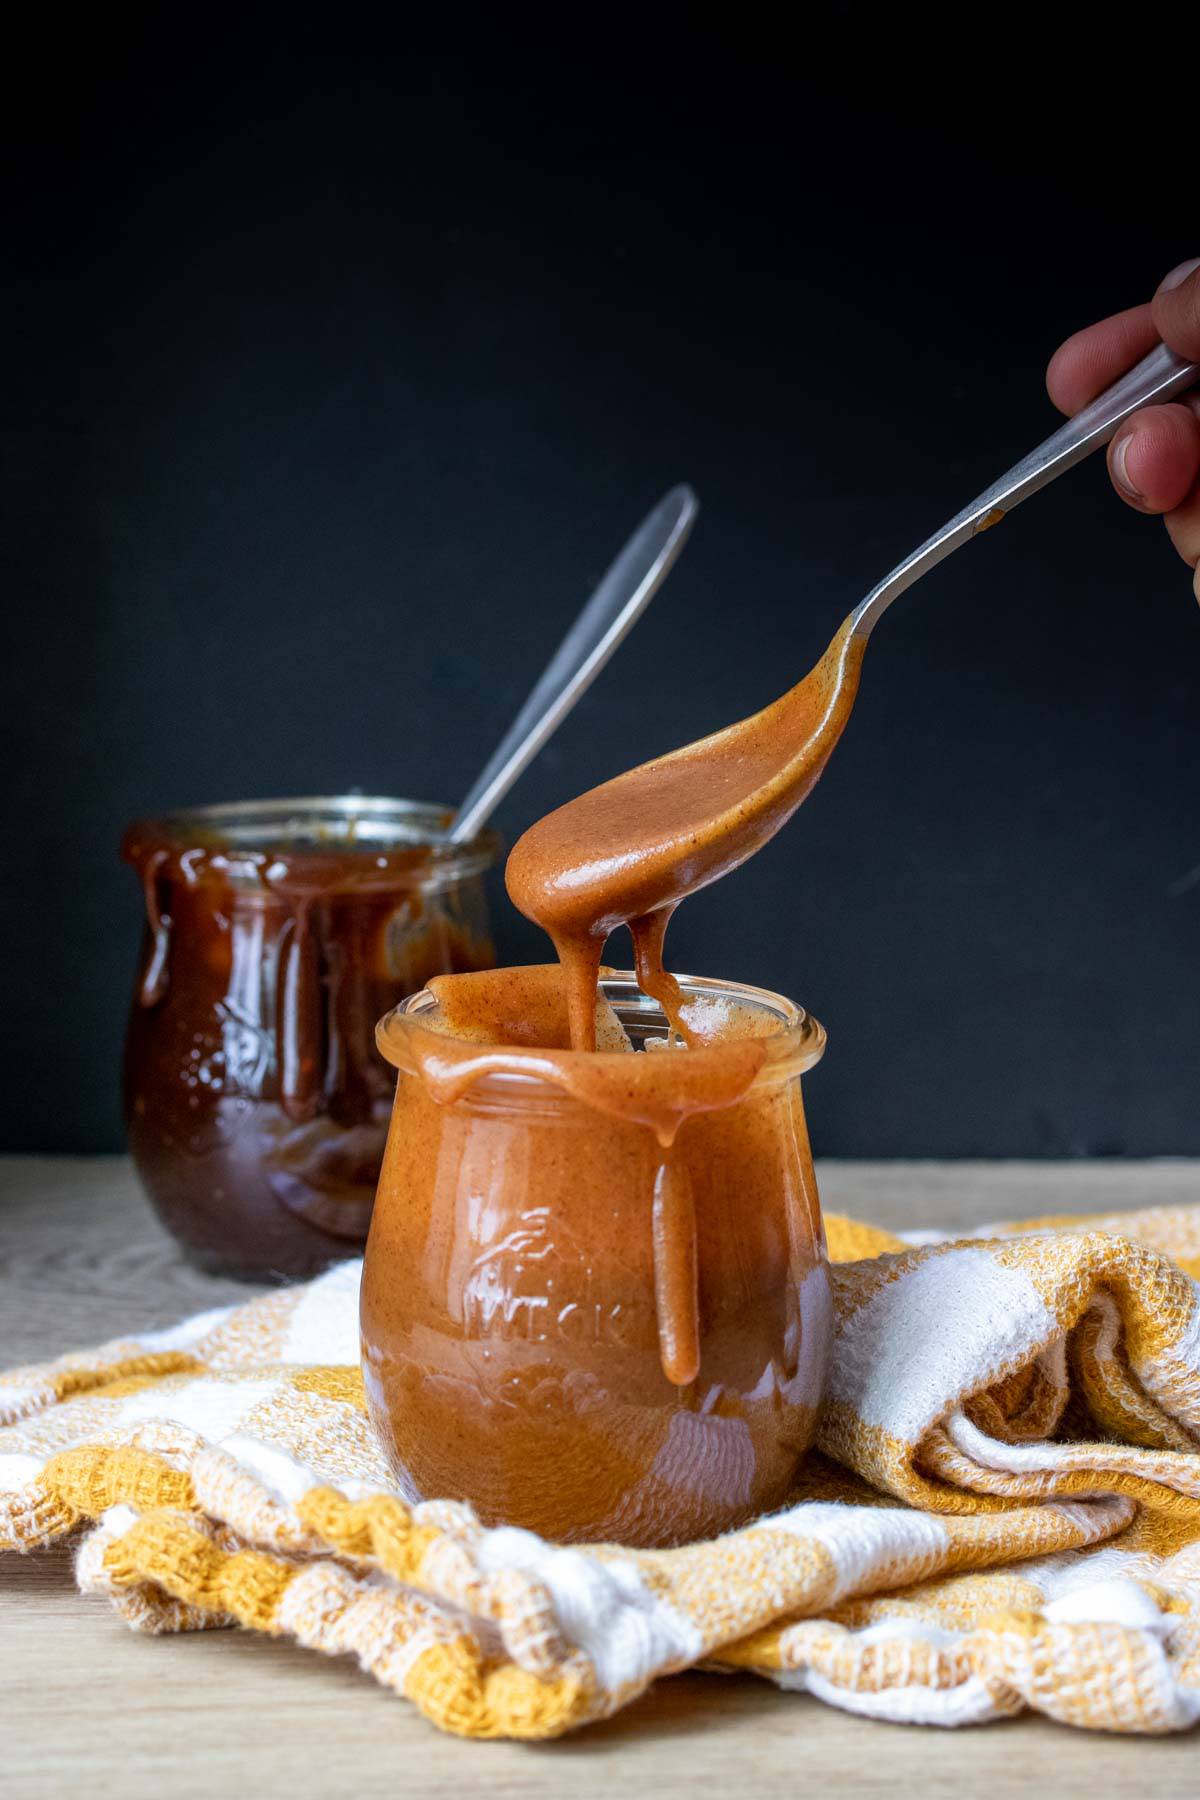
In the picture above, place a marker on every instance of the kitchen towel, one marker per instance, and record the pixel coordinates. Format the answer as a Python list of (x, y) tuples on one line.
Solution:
[(1003, 1511)]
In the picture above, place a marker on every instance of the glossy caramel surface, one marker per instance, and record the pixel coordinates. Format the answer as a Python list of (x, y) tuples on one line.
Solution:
[(256, 1104)]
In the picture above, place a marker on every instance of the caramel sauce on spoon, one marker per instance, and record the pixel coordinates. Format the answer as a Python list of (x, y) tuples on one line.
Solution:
[(627, 852)]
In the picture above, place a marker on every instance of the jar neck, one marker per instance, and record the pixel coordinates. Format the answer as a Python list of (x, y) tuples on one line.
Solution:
[(766, 1041), (310, 845)]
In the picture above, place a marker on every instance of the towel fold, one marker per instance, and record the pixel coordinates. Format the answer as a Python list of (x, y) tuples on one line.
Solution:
[(1003, 1511)]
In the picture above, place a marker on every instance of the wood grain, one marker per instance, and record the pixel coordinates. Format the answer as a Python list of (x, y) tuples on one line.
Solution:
[(89, 1708)]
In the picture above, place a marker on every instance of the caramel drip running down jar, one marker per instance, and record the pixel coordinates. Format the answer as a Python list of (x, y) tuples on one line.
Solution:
[(568, 1319), (275, 934)]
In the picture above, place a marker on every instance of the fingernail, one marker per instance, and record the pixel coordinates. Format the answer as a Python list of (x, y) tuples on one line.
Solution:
[(1120, 474), (1178, 276)]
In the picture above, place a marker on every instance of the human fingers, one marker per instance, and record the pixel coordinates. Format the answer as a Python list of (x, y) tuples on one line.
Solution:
[(1154, 460)]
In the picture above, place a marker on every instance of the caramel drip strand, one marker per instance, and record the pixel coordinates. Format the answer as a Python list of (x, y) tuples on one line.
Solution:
[(580, 960), (653, 976), (676, 1273)]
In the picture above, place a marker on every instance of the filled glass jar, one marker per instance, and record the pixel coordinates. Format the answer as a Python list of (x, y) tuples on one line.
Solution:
[(577, 1315), (276, 932)]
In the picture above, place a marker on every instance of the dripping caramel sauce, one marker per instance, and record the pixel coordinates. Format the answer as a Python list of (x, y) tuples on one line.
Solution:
[(627, 853)]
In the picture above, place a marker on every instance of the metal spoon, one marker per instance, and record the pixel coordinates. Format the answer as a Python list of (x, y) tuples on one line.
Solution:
[(624, 591), (628, 851), (1158, 377)]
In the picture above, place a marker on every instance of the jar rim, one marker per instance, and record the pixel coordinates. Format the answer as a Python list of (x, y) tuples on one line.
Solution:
[(795, 1047), (245, 834)]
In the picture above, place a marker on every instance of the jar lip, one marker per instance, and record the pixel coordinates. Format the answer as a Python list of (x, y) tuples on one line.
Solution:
[(246, 835), (798, 1044)]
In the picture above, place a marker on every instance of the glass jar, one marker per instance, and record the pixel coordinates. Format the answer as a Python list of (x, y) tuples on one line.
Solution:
[(276, 932), (512, 1294)]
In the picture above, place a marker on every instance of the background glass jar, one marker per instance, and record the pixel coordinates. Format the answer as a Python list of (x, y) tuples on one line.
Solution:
[(511, 1308), (276, 933)]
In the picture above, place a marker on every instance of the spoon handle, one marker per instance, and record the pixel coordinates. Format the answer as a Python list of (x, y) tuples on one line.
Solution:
[(1159, 376), (623, 593)]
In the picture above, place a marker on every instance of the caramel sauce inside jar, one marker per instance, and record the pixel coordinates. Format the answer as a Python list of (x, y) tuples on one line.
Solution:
[(256, 1104), (594, 1298)]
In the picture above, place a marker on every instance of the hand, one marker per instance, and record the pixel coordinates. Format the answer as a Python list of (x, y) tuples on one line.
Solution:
[(1154, 460)]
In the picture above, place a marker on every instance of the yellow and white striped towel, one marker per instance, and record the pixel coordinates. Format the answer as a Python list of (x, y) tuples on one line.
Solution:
[(1004, 1513)]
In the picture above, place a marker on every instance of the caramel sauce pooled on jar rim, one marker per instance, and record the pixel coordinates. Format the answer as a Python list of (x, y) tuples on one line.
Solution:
[(627, 852), (506, 1023)]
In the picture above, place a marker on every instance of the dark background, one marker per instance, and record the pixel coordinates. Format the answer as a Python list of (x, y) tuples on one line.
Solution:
[(341, 364)]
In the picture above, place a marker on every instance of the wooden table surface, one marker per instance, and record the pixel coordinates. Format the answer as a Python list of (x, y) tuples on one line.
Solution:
[(87, 1707)]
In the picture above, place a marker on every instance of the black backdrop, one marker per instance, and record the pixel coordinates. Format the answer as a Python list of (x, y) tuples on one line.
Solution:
[(344, 362)]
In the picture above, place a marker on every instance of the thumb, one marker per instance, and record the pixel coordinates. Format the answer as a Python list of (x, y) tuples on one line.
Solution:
[(1176, 310)]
